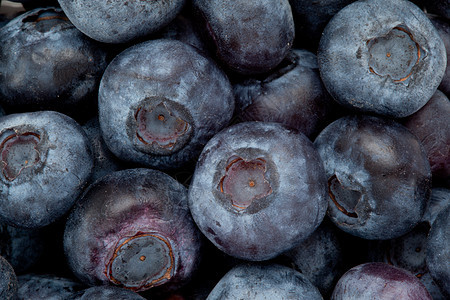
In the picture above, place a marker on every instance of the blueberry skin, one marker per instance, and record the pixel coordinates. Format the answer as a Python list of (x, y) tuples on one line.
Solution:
[(104, 161), (105, 292), (126, 209), (379, 281), (21, 247), (382, 56), (48, 64), (311, 17), (249, 37), (320, 257), (46, 163), (264, 282), (174, 78), (379, 177), (118, 21), (443, 28), (431, 125), (8, 280), (409, 251), (438, 251), (47, 286), (293, 94), (258, 190)]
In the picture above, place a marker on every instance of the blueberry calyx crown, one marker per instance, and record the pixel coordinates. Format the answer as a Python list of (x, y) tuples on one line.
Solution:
[(18, 152), (141, 261), (394, 55), (162, 127), (245, 181)]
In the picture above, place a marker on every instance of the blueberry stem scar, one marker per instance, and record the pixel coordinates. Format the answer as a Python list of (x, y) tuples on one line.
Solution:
[(245, 181), (17, 155), (152, 268)]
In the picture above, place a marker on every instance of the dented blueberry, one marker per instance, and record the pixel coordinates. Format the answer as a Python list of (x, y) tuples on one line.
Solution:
[(46, 161), (379, 177), (258, 190), (133, 229)]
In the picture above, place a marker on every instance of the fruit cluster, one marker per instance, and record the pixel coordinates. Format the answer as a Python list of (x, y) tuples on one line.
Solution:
[(270, 149)]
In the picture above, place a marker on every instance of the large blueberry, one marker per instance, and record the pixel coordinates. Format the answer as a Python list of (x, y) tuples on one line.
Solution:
[(120, 21), (161, 101), (46, 161), (293, 94), (133, 229), (258, 190), (379, 177), (382, 56), (438, 251), (249, 37), (46, 63), (379, 281), (264, 282)]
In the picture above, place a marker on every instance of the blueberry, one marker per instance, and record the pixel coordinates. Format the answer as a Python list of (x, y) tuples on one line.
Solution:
[(320, 257), (265, 282), (133, 229), (46, 162), (438, 252), (431, 125), (249, 37), (311, 17), (8, 280), (120, 21), (258, 190), (379, 281), (104, 161), (47, 286), (408, 252), (48, 64), (21, 247), (379, 177), (381, 56), (105, 292), (161, 101), (440, 199), (293, 94)]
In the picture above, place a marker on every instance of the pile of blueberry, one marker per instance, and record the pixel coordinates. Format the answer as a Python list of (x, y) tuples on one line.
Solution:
[(208, 149)]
